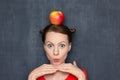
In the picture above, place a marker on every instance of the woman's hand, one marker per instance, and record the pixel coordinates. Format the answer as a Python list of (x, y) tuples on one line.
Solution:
[(72, 69), (42, 70)]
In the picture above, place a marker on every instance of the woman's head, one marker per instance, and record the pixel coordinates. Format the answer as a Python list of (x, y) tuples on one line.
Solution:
[(59, 29), (57, 43)]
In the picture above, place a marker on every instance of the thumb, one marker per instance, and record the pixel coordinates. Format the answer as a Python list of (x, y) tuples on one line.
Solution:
[(74, 63)]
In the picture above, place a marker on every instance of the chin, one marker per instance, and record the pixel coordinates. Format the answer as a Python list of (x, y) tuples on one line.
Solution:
[(56, 64)]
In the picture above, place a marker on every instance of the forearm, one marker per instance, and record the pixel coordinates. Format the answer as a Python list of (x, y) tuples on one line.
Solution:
[(81, 76), (34, 75), (31, 77)]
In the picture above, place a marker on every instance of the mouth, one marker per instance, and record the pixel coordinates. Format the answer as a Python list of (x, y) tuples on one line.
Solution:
[(56, 60)]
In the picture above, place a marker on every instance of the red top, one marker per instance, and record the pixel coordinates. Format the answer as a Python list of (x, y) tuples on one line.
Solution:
[(70, 76)]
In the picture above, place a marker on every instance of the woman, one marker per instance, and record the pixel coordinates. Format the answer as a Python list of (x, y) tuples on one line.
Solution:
[(57, 41)]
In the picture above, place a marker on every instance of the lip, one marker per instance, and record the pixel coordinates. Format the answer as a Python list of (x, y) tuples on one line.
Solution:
[(56, 60)]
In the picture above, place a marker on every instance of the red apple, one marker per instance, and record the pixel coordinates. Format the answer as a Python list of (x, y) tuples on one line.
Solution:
[(56, 17)]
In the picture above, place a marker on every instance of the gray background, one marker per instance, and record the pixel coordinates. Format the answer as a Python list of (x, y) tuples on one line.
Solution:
[(96, 44)]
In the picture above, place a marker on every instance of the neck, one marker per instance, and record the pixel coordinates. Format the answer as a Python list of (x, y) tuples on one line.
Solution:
[(60, 75)]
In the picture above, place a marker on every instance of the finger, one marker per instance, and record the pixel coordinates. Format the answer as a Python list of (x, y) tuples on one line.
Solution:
[(46, 66), (47, 69), (74, 63), (50, 71), (66, 67)]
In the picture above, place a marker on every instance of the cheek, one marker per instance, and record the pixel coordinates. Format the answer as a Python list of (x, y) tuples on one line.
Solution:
[(64, 53), (48, 53)]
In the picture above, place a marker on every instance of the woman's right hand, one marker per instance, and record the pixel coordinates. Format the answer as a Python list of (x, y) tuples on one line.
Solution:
[(42, 70)]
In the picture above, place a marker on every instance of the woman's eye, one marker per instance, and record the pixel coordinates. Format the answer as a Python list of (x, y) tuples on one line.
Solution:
[(49, 45), (62, 45)]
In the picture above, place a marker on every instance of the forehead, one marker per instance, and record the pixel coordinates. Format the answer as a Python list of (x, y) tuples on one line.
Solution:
[(55, 37)]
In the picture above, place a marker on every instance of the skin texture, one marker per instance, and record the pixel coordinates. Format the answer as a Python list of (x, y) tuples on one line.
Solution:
[(57, 47)]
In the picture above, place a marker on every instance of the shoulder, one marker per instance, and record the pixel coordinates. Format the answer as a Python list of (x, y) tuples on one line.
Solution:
[(72, 77)]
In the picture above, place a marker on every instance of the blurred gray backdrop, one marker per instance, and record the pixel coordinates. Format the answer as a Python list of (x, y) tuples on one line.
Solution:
[(96, 44)]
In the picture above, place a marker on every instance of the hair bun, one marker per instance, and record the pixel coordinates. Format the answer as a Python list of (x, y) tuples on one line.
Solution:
[(41, 31), (72, 30)]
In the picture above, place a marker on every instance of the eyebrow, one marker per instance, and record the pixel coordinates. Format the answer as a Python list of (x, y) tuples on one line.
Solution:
[(53, 43)]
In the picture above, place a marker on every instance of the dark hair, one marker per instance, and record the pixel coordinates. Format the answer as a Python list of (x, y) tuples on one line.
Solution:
[(57, 28)]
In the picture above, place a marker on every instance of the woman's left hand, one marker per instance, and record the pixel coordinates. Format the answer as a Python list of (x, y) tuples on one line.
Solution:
[(72, 69)]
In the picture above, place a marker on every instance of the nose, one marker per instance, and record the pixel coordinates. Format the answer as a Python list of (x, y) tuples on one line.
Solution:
[(56, 51)]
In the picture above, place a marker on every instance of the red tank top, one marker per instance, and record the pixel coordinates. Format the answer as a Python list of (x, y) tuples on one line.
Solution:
[(70, 76)]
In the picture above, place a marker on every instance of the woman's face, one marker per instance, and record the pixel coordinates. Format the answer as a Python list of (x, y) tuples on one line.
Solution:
[(57, 47)]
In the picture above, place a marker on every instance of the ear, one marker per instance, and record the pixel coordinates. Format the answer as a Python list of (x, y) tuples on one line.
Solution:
[(70, 46)]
